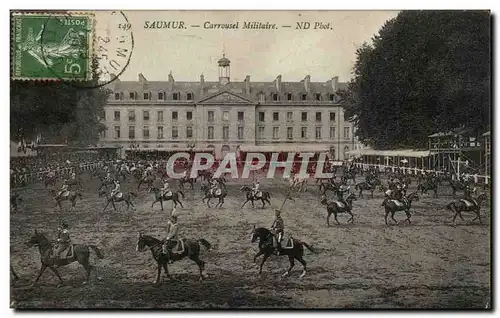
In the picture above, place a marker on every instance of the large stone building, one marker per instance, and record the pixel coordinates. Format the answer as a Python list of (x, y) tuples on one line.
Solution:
[(228, 116)]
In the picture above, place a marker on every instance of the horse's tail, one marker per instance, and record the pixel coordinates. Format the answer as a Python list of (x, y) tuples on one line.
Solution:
[(182, 194), (268, 195), (205, 243), (97, 251), (309, 247)]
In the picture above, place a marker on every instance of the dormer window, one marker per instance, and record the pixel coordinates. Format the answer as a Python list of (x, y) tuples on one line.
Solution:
[(289, 96), (318, 96), (132, 95), (117, 96), (332, 97), (303, 97), (189, 96), (262, 97), (275, 96), (160, 96), (175, 96), (147, 96)]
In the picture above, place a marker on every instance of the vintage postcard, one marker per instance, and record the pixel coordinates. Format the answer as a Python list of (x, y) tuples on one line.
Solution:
[(250, 159)]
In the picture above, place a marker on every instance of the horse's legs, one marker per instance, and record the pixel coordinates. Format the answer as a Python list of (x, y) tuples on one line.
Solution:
[(460, 215), (200, 263), (208, 202), (479, 217), (392, 216), (244, 203), (292, 264), (42, 269), (253, 205), (408, 216), (335, 216), (259, 253), (157, 281), (351, 220), (161, 204), (263, 261), (54, 270), (304, 264), (179, 201), (328, 219), (131, 204), (263, 202), (386, 214)]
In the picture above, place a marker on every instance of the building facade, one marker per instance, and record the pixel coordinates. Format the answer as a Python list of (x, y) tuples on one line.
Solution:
[(228, 116)]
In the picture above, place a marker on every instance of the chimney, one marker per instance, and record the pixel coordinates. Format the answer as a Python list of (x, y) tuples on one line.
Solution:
[(335, 84), (142, 79), (247, 85), (170, 77), (202, 84), (307, 83), (278, 83)]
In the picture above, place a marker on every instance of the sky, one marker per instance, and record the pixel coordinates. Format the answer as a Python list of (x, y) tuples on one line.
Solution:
[(262, 54)]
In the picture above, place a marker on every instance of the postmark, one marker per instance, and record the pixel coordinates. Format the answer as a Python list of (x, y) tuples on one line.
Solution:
[(52, 46)]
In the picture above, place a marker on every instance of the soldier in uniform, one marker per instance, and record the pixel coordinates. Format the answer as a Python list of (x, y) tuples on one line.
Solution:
[(116, 189), (340, 194), (166, 187), (278, 227), (255, 188), (213, 186), (64, 188), (63, 240), (172, 235)]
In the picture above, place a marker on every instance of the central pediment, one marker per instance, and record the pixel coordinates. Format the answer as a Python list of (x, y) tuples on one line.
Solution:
[(226, 97)]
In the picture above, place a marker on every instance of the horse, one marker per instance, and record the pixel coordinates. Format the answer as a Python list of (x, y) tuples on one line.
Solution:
[(349, 175), (267, 246), (162, 197), (457, 185), (392, 206), (219, 194), (187, 179), (469, 205), (50, 181), (67, 195), (125, 197), (191, 250), (205, 175), (149, 180), (80, 254), (105, 182), (331, 185), (14, 197), (264, 197), (369, 186), (298, 183), (336, 207), (426, 186)]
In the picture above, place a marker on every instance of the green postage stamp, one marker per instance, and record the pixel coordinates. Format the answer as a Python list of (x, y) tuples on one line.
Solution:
[(54, 46)]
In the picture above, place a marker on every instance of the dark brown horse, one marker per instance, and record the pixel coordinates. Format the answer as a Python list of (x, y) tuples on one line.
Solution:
[(294, 249), (457, 185), (392, 206), (125, 197), (66, 196), (368, 186), (191, 250), (174, 196), (149, 180), (336, 207), (470, 205), (187, 179), (45, 247), (219, 194), (264, 197), (428, 185)]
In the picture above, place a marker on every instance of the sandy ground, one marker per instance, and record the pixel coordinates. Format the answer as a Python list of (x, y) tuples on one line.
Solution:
[(428, 264)]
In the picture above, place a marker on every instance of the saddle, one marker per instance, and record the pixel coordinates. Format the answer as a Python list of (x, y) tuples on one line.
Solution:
[(469, 203), (289, 243), (400, 203), (66, 253), (64, 193), (339, 204), (216, 192), (167, 194), (170, 246), (258, 194), (119, 195)]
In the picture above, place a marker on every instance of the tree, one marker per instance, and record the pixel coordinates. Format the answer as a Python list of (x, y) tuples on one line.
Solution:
[(426, 71), (58, 110)]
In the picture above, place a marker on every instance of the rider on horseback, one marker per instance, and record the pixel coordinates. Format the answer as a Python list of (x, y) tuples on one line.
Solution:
[(166, 187), (63, 189), (63, 240), (173, 235), (73, 176), (255, 188), (340, 194), (213, 186), (108, 176), (116, 189), (278, 227)]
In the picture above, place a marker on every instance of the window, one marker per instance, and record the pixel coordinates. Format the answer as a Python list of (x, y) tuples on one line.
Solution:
[(210, 132), (318, 132), (131, 115), (289, 116), (332, 132), (332, 116), (275, 96), (261, 133), (241, 115), (289, 96), (160, 96), (145, 114), (189, 96), (276, 116), (303, 97), (117, 115), (303, 132), (145, 132), (104, 133), (331, 97), (346, 132), (102, 115), (131, 132), (210, 115), (160, 115), (117, 96), (318, 96), (240, 132), (175, 115), (289, 133), (225, 115), (189, 115), (117, 131), (132, 95), (304, 116), (261, 116), (189, 132), (276, 132), (318, 116), (175, 132), (147, 95), (262, 97), (175, 96), (225, 132), (160, 132)]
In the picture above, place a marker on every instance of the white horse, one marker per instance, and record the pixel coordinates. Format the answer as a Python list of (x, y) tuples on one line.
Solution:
[(298, 183)]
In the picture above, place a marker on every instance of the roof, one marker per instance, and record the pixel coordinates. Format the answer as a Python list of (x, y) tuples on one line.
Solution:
[(457, 131), (286, 148), (488, 133), (224, 61), (391, 153)]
